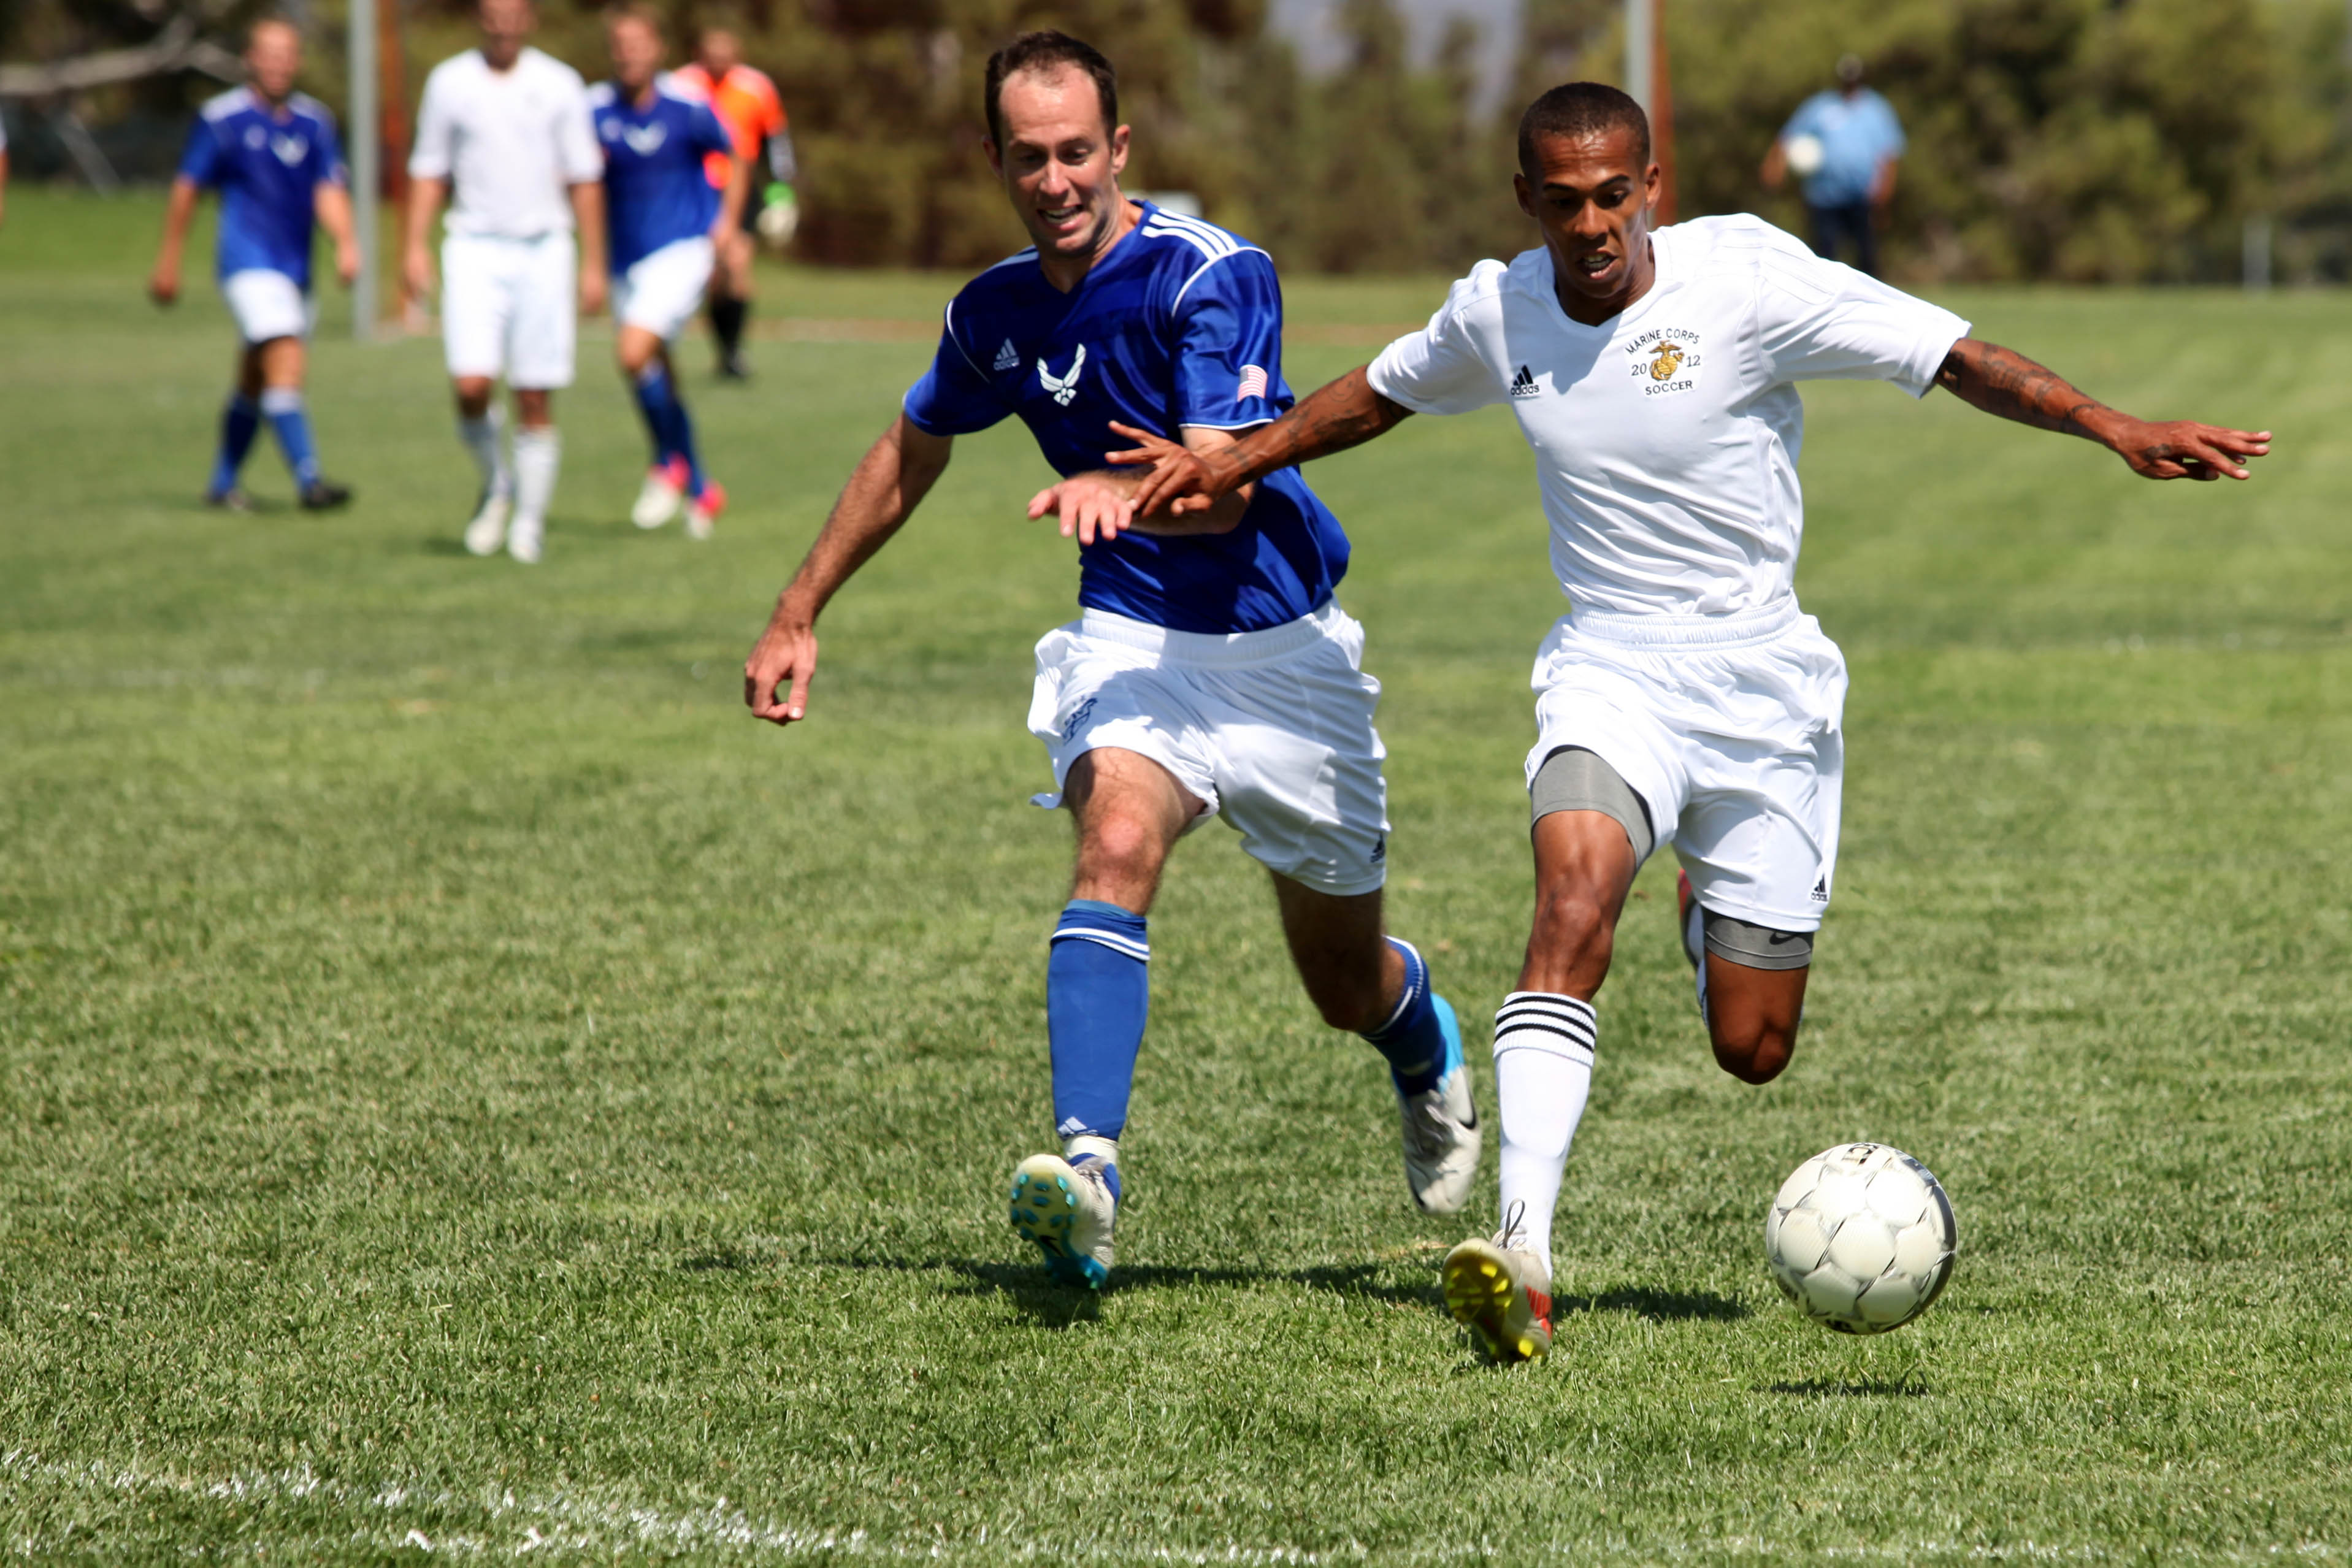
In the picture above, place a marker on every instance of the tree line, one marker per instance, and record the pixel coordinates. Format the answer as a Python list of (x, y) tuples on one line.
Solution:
[(2085, 140)]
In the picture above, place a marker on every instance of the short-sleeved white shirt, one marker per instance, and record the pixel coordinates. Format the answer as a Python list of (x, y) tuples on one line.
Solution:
[(1666, 438), (510, 144)]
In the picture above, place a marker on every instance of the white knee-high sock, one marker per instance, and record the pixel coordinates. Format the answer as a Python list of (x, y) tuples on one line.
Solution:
[(1543, 1070), (537, 455), (483, 439)]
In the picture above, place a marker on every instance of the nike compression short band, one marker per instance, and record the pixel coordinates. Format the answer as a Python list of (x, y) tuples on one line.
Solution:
[(1754, 946)]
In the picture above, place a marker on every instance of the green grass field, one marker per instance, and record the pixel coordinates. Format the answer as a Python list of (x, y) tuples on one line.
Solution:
[(464, 1087)]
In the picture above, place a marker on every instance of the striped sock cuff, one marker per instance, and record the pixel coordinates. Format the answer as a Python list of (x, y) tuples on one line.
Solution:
[(1543, 1020), (1121, 930)]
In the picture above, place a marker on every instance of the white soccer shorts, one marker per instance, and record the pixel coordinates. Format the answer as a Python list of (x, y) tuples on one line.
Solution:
[(1272, 730), (1731, 730), (267, 304), (507, 308), (662, 291)]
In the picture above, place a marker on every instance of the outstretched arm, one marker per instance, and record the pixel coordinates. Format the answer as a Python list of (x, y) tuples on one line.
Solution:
[(1102, 504), (2001, 381), (1347, 413), (894, 475)]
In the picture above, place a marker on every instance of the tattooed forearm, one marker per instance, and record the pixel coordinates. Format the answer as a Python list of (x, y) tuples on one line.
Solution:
[(2002, 382), (1347, 413)]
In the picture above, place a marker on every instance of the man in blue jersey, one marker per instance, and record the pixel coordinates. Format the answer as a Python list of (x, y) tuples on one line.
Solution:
[(272, 154), (667, 226), (1210, 672)]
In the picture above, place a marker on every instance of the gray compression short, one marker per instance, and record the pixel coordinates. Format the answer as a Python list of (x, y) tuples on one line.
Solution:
[(1754, 946), (1575, 780)]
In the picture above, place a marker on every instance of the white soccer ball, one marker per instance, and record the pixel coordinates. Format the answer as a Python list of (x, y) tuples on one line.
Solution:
[(1805, 152), (1861, 1239)]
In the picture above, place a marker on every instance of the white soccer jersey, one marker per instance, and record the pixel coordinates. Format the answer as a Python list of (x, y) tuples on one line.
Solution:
[(509, 142), (1666, 438)]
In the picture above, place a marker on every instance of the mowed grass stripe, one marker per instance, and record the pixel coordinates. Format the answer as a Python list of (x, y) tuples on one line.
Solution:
[(450, 1053)]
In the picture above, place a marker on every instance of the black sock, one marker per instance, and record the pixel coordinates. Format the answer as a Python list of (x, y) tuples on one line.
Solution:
[(727, 316)]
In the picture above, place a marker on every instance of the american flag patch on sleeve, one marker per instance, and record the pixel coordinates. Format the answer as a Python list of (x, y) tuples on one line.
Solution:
[(1252, 384)]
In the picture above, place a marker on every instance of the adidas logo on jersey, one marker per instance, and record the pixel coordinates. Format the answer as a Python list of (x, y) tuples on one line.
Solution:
[(1006, 359), (1822, 891), (1524, 384)]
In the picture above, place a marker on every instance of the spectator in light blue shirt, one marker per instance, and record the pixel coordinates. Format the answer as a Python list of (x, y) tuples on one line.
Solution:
[(1842, 145)]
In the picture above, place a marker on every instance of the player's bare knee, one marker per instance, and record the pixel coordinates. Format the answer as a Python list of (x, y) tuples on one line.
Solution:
[(1755, 1055), (1572, 926), (1119, 847), (473, 395)]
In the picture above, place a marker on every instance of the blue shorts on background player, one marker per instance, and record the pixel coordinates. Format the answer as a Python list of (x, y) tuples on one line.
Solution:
[(1210, 672), (272, 154), (667, 222)]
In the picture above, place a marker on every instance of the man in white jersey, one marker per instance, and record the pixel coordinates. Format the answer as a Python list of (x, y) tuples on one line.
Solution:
[(503, 134), (1684, 699)]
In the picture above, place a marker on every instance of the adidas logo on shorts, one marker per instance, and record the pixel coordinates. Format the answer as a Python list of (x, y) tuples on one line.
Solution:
[(1524, 384), (1822, 891)]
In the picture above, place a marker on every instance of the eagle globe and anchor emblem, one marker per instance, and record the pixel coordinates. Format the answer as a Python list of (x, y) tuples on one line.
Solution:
[(1660, 358)]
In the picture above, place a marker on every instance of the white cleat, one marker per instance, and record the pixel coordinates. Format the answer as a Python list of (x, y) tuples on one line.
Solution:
[(1501, 1291), (487, 530), (1069, 1211), (1441, 1131), (523, 539), (657, 502)]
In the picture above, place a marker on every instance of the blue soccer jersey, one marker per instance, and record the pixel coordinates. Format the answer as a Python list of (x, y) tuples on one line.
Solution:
[(267, 165), (1179, 325), (656, 192)]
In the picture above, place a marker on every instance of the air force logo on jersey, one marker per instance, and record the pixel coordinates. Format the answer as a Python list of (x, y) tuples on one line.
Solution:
[(645, 141), (1063, 388), (1666, 361), (290, 150)]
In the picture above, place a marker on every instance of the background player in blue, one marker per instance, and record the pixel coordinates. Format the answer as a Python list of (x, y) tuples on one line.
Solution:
[(273, 155), (667, 224), (1210, 672)]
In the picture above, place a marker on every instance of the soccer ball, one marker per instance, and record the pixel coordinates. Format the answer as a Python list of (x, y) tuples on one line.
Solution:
[(1805, 153), (1861, 1239)]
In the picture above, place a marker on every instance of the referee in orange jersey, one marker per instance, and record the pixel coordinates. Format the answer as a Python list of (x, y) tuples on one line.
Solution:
[(747, 105)]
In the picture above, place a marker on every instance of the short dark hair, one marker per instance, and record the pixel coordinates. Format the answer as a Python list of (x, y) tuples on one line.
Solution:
[(1577, 109), (1044, 51)]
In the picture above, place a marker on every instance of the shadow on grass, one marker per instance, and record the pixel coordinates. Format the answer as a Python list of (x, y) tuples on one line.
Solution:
[(1852, 1388), (1023, 1285), (1657, 1306)]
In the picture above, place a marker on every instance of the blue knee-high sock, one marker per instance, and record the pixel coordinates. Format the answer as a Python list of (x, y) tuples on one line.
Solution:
[(291, 424), (1097, 994), (240, 421), (667, 419), (1414, 1038)]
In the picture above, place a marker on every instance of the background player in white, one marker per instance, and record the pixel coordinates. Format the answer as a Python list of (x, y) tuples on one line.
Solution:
[(503, 134), (1684, 698), (667, 224), (1212, 672), (272, 154)]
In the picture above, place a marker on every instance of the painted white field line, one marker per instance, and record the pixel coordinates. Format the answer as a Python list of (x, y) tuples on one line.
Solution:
[(503, 1524)]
